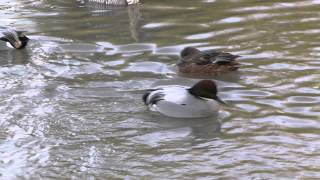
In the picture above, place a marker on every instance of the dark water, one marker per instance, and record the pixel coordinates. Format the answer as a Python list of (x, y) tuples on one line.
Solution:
[(71, 104)]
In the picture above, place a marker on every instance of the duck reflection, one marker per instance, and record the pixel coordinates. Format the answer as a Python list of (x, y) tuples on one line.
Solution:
[(117, 8), (135, 21), (201, 128), (13, 57), (178, 131)]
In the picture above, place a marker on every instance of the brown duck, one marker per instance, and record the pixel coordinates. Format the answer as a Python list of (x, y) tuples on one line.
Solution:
[(210, 62), (17, 39)]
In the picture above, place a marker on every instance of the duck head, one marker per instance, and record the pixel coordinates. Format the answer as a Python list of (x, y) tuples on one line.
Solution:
[(205, 89), (188, 52), (188, 55), (17, 39)]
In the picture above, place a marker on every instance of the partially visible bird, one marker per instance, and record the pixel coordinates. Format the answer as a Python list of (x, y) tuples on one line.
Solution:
[(133, 1), (115, 2), (209, 62), (200, 100), (17, 39)]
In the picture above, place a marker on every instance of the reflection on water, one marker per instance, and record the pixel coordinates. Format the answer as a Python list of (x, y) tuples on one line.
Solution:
[(71, 103), (134, 15), (12, 57)]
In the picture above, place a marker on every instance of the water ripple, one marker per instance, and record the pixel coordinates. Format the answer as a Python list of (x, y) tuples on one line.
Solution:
[(71, 105)]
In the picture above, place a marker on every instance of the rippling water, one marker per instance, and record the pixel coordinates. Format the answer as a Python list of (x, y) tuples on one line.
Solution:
[(71, 104)]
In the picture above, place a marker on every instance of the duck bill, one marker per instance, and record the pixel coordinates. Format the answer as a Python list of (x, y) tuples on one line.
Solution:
[(180, 62), (220, 101)]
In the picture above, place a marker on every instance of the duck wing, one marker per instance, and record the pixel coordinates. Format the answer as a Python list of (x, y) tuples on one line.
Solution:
[(219, 57), (200, 59), (9, 35)]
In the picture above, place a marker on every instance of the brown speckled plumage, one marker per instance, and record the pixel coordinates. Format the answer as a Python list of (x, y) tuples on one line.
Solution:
[(211, 62), (208, 69)]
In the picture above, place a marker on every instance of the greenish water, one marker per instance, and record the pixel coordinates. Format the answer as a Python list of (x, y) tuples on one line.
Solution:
[(71, 105)]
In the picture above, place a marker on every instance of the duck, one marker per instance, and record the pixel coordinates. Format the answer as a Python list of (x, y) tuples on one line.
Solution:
[(116, 2), (198, 101), (129, 2), (16, 39), (209, 62)]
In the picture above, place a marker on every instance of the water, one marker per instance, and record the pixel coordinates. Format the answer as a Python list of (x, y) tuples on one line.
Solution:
[(71, 103)]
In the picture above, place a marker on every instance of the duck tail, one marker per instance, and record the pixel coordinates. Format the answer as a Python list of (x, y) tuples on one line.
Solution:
[(153, 98), (234, 68), (145, 96)]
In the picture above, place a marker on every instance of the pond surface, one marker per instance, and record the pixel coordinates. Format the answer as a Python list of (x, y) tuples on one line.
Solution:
[(71, 103)]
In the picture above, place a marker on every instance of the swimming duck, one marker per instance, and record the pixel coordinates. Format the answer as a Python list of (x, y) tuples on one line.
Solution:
[(209, 62), (116, 2), (17, 39), (200, 100), (132, 2)]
